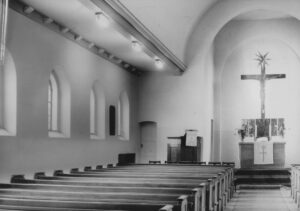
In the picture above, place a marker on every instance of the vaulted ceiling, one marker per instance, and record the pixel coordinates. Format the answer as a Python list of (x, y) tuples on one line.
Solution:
[(161, 28)]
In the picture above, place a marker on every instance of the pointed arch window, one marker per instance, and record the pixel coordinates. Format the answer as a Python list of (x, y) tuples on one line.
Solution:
[(93, 114), (8, 97), (53, 103), (58, 105)]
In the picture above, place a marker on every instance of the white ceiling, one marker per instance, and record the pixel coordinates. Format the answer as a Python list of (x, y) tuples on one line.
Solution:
[(262, 15), (171, 21), (80, 17)]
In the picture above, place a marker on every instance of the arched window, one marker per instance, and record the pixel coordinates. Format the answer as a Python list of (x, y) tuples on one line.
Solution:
[(58, 105), (93, 115), (97, 112), (123, 116), (53, 104), (8, 97)]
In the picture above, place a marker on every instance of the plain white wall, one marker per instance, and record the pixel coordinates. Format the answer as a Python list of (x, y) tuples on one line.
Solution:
[(236, 99), (36, 51), (178, 103)]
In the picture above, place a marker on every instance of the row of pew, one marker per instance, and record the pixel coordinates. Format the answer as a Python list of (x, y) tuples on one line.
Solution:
[(133, 187), (295, 183)]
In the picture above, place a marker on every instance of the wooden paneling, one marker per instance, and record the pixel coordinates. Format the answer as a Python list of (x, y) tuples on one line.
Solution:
[(181, 152)]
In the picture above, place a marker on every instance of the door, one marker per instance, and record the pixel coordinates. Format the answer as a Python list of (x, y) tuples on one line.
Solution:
[(148, 131)]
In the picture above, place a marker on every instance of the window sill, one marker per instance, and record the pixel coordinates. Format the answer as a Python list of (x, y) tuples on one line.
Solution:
[(56, 134), (95, 137), (122, 138), (4, 132)]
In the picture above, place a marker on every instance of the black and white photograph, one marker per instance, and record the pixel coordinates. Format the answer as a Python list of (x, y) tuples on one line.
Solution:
[(149, 105)]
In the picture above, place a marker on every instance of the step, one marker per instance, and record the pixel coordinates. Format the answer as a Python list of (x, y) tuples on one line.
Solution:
[(262, 180), (259, 186), (285, 171)]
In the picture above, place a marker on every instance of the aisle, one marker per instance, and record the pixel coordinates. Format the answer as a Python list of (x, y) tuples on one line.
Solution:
[(262, 200)]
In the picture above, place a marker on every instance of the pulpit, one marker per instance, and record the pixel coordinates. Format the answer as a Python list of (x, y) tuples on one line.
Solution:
[(181, 152), (247, 155)]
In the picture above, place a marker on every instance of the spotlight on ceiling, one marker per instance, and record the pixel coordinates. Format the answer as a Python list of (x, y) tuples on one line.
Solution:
[(158, 63), (136, 45), (102, 19)]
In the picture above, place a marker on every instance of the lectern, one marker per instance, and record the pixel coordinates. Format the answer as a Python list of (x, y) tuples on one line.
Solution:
[(180, 152)]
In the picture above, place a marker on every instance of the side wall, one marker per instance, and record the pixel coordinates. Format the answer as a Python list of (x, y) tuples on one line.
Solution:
[(36, 51), (178, 103)]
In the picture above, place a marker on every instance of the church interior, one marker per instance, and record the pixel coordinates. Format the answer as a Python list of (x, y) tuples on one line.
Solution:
[(151, 97)]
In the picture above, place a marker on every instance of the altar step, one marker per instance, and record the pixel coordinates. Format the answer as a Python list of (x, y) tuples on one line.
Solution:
[(262, 178), (258, 187)]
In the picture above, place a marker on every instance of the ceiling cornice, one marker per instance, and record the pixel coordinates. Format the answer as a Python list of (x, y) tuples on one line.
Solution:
[(129, 25), (66, 32)]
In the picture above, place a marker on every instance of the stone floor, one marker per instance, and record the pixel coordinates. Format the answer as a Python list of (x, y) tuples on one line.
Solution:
[(262, 200)]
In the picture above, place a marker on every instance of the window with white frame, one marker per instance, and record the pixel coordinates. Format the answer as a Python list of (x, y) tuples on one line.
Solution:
[(8, 97), (93, 115), (53, 103), (59, 98)]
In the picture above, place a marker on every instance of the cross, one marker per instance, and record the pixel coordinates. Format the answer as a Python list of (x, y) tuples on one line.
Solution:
[(262, 59), (263, 152)]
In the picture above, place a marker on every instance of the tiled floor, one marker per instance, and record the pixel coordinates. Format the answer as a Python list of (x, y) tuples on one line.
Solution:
[(261, 200)]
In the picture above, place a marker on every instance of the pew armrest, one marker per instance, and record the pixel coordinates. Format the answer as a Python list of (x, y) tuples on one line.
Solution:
[(168, 207), (74, 170), (17, 178), (183, 201), (87, 168), (99, 167), (58, 172), (39, 175)]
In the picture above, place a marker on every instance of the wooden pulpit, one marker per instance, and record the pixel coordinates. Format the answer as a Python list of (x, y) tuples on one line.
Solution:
[(180, 152)]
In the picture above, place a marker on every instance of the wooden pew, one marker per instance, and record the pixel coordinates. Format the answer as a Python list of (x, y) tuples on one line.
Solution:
[(40, 204), (229, 173), (221, 201), (229, 169), (94, 180), (116, 183), (228, 185), (139, 197), (219, 186), (31, 208), (107, 189), (140, 182)]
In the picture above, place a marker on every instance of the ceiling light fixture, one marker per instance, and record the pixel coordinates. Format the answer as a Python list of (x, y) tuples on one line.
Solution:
[(136, 45), (102, 19), (158, 63)]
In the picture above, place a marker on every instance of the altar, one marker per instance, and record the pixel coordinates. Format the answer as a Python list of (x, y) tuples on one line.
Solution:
[(247, 155)]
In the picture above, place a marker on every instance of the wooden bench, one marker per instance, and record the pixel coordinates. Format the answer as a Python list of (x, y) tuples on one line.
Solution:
[(143, 174), (228, 171), (148, 185), (120, 173), (41, 204), (218, 188), (133, 196)]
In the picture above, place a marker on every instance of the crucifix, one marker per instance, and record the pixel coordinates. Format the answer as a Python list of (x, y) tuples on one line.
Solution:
[(263, 152), (262, 61)]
